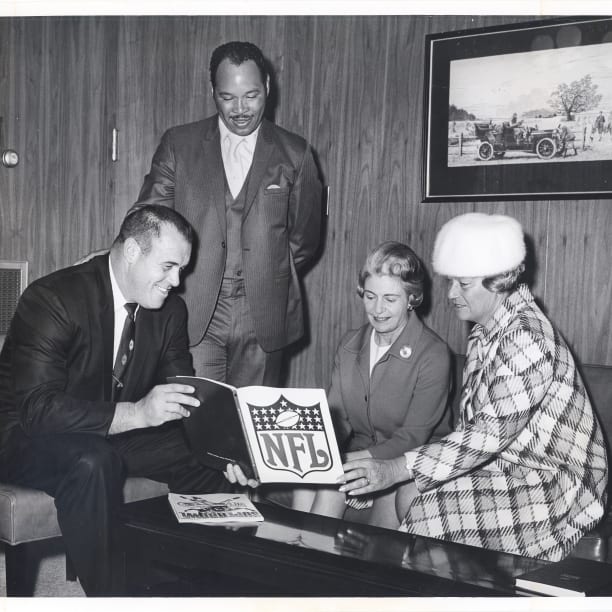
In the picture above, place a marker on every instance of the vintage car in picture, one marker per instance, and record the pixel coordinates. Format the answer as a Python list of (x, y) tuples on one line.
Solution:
[(495, 140)]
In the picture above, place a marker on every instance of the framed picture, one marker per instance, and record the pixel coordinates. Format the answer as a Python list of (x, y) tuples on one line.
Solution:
[(519, 112)]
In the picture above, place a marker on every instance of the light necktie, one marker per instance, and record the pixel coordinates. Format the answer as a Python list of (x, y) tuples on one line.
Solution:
[(124, 352), (239, 164)]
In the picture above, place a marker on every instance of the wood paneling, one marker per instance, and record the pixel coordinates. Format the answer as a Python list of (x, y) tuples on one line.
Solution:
[(11, 243), (352, 85), (371, 155), (330, 125), (162, 81), (577, 289), (58, 200)]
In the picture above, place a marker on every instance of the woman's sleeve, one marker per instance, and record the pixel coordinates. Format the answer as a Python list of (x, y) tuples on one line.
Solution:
[(520, 375)]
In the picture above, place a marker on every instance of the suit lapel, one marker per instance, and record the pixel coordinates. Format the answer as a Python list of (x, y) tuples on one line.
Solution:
[(211, 172), (107, 318), (410, 337), (263, 151), (360, 345)]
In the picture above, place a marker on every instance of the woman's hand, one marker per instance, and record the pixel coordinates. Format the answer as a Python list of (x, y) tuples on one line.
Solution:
[(235, 475), (363, 476)]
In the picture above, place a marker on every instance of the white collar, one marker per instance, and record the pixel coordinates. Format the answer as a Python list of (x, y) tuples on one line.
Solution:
[(118, 298), (225, 132)]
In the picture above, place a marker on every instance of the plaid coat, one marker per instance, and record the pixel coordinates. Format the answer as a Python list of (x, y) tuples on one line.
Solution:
[(525, 472)]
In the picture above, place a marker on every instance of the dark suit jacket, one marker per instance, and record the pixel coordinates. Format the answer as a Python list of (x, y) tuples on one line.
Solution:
[(280, 227), (57, 360)]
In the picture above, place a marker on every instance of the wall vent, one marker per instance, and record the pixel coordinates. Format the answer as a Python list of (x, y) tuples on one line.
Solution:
[(13, 280)]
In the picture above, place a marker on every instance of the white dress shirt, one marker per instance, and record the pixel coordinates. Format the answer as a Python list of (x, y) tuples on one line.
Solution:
[(376, 351), (237, 153)]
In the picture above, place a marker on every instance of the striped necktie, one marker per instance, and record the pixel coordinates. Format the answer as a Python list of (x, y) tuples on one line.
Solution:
[(124, 352)]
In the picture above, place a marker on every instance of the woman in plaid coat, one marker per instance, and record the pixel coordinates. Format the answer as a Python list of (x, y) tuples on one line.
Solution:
[(525, 471)]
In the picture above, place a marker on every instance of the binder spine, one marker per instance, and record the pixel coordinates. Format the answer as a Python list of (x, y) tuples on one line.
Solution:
[(244, 431)]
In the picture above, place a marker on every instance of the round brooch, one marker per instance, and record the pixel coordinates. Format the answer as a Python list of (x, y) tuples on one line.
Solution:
[(405, 352)]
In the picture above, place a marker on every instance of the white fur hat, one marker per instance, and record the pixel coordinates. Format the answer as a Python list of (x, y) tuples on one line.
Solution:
[(477, 244)]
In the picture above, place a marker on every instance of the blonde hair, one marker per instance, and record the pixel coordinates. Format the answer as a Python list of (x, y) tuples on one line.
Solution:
[(399, 261)]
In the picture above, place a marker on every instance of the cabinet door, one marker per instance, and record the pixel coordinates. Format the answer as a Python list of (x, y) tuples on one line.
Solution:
[(57, 79)]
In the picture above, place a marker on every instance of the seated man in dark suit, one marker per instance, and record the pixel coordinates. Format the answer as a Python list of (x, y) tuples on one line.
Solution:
[(74, 425)]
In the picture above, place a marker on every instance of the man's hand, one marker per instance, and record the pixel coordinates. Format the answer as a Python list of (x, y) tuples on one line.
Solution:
[(363, 476), (235, 475), (162, 404)]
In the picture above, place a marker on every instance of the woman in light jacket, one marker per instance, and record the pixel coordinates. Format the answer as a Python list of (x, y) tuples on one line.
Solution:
[(390, 379)]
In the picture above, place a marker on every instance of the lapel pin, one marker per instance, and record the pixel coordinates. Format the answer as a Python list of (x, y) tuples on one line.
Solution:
[(405, 351)]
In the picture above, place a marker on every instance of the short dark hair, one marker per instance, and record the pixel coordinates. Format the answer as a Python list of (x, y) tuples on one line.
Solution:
[(146, 221), (506, 282), (237, 53), (397, 260)]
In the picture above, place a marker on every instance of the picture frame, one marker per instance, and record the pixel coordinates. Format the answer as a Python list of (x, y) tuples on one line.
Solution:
[(555, 75)]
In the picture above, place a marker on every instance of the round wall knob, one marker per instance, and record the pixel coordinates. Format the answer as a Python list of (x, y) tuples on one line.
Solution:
[(10, 158)]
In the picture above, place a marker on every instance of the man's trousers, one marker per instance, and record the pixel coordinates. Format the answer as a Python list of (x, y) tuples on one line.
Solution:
[(85, 474)]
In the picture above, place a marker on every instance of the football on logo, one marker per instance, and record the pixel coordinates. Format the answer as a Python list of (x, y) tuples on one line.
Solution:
[(287, 419)]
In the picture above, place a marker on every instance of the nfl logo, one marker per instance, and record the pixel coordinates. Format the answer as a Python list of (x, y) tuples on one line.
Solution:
[(291, 437)]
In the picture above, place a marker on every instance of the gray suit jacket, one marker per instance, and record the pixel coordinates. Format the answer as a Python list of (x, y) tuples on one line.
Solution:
[(398, 407), (280, 227)]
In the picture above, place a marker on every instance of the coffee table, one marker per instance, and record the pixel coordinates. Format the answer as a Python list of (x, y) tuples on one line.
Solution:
[(294, 553)]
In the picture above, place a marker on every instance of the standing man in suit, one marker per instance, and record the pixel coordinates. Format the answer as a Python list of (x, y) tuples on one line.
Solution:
[(72, 423), (252, 192)]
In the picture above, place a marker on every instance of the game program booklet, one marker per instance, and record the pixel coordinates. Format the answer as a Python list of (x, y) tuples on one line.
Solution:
[(276, 435), (214, 508)]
